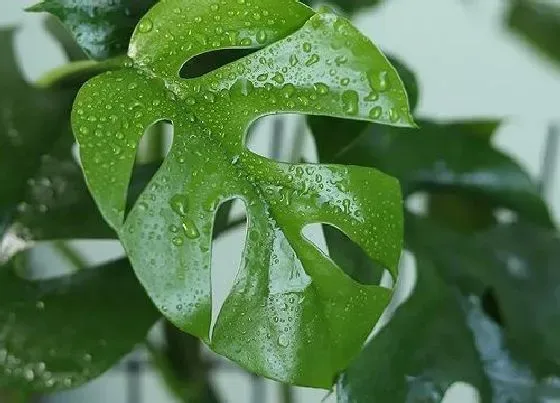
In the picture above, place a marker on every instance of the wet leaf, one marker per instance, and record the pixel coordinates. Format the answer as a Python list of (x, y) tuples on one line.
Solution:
[(102, 28), (290, 307), (59, 333), (538, 22)]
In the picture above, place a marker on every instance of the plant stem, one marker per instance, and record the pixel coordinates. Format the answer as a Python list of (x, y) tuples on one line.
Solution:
[(551, 150), (73, 257), (78, 72), (299, 141), (286, 393)]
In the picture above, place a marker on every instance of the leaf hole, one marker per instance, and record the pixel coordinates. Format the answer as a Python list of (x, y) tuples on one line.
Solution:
[(207, 62), (347, 254), (282, 138), (152, 150), (227, 251)]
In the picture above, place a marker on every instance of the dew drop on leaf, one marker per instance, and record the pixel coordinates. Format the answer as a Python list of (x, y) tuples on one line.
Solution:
[(350, 102)]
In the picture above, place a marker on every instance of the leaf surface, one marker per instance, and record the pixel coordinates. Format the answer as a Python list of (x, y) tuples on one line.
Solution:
[(538, 22), (59, 333), (102, 28), (290, 307)]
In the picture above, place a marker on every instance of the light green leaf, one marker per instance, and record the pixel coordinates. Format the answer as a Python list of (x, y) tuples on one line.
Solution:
[(290, 307), (59, 333)]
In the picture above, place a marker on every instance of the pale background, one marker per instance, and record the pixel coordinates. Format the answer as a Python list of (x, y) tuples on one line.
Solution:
[(468, 65)]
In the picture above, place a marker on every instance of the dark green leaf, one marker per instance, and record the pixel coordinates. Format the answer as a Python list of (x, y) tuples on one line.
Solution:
[(37, 170), (426, 347), (443, 157), (348, 6), (59, 333), (65, 39), (101, 27), (290, 307), (539, 23)]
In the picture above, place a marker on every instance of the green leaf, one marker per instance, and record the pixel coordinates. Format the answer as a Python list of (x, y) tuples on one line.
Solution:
[(290, 307), (517, 264), (348, 6), (538, 22), (102, 28), (441, 335), (37, 170), (59, 333), (445, 157), (423, 350)]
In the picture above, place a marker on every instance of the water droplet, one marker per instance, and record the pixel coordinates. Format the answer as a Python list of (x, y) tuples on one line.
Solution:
[(279, 78), (178, 241), (307, 47), (28, 374), (283, 340), (235, 160), (293, 60), (179, 204), (145, 26), (322, 89), (394, 115), (312, 60), (379, 81), (132, 86), (40, 305), (288, 90), (375, 112), (190, 230), (350, 102), (261, 37), (142, 206)]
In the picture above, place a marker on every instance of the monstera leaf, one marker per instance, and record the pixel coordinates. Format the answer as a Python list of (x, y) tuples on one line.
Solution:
[(290, 310), (441, 335), (101, 28)]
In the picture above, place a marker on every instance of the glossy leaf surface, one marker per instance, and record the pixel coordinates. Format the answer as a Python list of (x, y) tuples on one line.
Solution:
[(102, 28), (538, 22), (290, 307), (442, 328), (59, 333), (425, 348), (443, 157)]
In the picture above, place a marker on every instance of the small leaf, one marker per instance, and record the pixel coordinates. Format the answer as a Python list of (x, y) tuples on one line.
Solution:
[(59, 333), (290, 307), (538, 22), (445, 157), (101, 28)]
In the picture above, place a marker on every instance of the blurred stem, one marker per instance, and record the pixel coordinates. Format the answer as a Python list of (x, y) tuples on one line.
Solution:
[(78, 72), (296, 152), (551, 150), (277, 132), (286, 393), (73, 257)]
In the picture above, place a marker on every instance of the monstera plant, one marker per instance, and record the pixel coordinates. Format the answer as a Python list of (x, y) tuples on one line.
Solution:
[(484, 310)]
